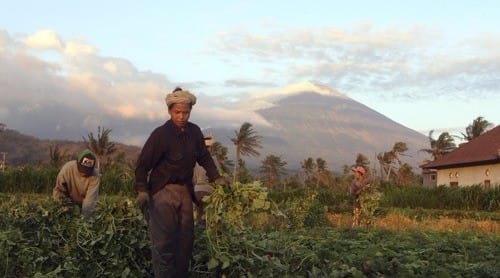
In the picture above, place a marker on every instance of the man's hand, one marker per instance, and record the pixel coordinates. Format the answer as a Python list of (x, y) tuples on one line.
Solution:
[(221, 181), (142, 199)]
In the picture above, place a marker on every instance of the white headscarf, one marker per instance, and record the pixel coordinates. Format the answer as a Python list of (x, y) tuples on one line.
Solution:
[(180, 96)]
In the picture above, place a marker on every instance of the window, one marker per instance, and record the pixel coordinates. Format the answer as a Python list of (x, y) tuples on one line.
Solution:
[(487, 184), (433, 177), (453, 183)]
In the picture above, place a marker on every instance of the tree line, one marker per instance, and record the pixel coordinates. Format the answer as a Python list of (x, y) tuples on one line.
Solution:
[(272, 172)]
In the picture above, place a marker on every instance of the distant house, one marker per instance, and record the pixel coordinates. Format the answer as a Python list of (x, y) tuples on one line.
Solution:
[(474, 162)]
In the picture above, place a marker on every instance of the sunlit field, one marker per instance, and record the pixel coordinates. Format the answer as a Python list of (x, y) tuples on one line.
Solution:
[(250, 232)]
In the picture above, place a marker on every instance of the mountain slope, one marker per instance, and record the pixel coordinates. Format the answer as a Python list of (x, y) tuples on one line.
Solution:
[(304, 120), (333, 127), (23, 149)]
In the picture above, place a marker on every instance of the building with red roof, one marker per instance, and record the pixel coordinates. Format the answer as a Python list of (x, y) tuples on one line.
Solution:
[(474, 162)]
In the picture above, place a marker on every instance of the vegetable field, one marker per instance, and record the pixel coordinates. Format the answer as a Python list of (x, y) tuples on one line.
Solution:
[(246, 235)]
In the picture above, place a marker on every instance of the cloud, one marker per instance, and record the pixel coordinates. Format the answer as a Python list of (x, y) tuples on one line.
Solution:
[(246, 83), (79, 48), (416, 62), (44, 39), (78, 89), (320, 43), (5, 41)]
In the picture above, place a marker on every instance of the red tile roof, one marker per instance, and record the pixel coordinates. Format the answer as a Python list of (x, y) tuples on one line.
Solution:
[(484, 149)]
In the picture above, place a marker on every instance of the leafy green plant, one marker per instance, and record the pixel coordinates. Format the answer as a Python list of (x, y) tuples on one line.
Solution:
[(370, 202), (227, 214), (39, 239)]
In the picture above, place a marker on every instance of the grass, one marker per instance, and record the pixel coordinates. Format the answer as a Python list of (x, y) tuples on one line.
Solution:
[(397, 222)]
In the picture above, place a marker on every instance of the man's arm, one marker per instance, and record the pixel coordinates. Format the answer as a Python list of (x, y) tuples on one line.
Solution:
[(61, 188), (150, 155), (90, 200)]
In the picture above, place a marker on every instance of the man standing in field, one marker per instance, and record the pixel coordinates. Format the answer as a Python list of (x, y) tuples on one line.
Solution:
[(356, 189), (78, 182), (164, 183)]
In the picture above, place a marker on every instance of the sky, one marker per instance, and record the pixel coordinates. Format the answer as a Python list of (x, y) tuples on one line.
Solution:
[(429, 65)]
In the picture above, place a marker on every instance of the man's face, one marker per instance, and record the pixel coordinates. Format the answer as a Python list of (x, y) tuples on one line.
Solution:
[(179, 114)]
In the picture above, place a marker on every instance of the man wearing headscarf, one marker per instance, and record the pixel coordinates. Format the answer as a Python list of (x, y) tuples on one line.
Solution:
[(164, 182)]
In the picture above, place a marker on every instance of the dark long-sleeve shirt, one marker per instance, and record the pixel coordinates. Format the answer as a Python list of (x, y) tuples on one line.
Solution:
[(169, 156)]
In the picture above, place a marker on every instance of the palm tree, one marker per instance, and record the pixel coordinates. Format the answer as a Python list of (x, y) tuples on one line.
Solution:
[(440, 146), (316, 171), (398, 149), (388, 159), (405, 174), (363, 161), (476, 128), (246, 141), (309, 166), (385, 161), (273, 167), (220, 152), (322, 172), (100, 146)]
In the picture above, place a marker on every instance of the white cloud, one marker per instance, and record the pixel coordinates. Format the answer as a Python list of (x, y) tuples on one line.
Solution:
[(110, 67), (79, 48), (275, 94), (328, 42), (44, 39), (5, 41), (415, 62), (111, 91)]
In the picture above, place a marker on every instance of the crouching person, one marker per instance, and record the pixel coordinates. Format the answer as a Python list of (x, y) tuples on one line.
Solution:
[(78, 182)]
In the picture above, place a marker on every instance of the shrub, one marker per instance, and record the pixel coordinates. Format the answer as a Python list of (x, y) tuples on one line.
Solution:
[(30, 179), (473, 197)]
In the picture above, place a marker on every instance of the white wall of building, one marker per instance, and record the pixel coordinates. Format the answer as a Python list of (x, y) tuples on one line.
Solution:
[(470, 175)]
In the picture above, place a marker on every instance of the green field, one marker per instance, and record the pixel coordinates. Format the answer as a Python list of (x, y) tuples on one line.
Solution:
[(40, 239)]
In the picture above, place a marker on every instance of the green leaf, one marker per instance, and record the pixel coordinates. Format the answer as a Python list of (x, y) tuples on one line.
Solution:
[(258, 203), (213, 263), (125, 272), (225, 263)]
